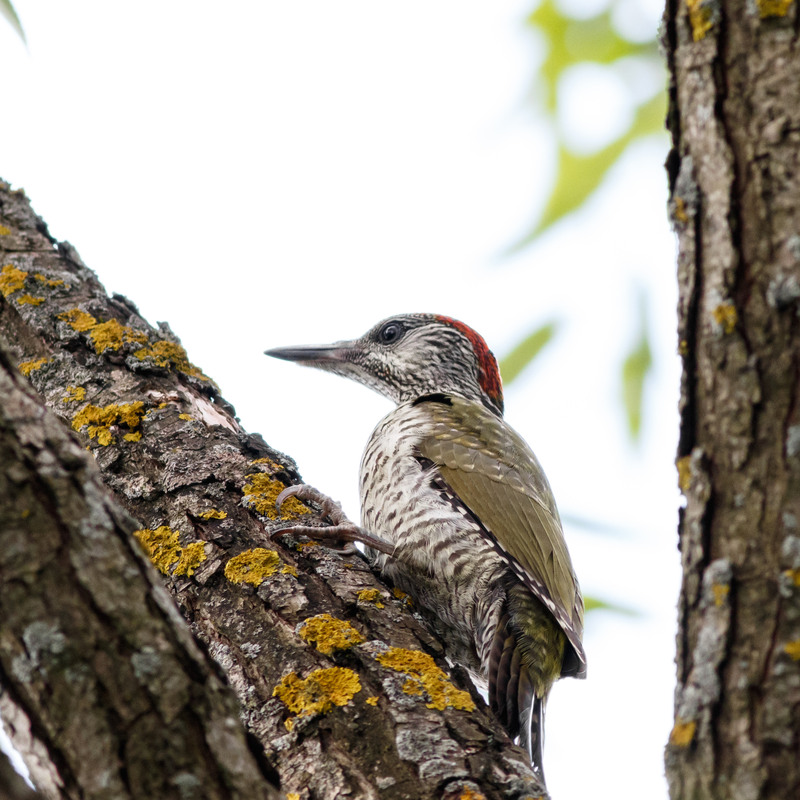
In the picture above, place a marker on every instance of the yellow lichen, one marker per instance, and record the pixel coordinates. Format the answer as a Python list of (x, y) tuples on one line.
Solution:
[(329, 634), (725, 316), (468, 794), (164, 550), (319, 692), (793, 575), (212, 513), (252, 566), (684, 473), (289, 569), (78, 320), (372, 701), (47, 281), (75, 394), (792, 649), (292, 796), (680, 210), (682, 733), (26, 367), (170, 354), (4, 231), (192, 556), (683, 347), (261, 493), (109, 335), (132, 437), (699, 18), (371, 596), (773, 8), (161, 545), (29, 300), (11, 279), (425, 676), (100, 419), (300, 546), (720, 591), (185, 417), (402, 596)]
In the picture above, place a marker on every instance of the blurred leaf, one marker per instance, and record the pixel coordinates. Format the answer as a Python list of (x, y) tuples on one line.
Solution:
[(7, 10), (524, 353), (578, 176), (634, 371), (573, 41), (593, 604)]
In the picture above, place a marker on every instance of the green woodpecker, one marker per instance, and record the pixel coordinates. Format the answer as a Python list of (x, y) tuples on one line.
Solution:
[(457, 512)]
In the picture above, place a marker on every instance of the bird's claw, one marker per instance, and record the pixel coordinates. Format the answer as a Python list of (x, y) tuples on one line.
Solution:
[(342, 529)]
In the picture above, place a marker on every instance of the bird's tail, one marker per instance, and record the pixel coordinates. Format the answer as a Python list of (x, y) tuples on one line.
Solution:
[(512, 696), (531, 735)]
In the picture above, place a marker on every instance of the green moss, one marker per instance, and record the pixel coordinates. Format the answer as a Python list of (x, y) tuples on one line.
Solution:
[(425, 677), (329, 634), (252, 566), (261, 493), (11, 279), (319, 692), (99, 419), (26, 367)]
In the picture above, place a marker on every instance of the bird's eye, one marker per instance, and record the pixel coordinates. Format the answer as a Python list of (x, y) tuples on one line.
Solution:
[(390, 332)]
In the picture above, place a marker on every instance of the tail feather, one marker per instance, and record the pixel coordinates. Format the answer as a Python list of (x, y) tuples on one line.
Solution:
[(532, 734)]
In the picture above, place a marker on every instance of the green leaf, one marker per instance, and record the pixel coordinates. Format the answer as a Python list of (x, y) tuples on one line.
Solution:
[(594, 604), (634, 371), (7, 10), (524, 353), (578, 176), (573, 41)]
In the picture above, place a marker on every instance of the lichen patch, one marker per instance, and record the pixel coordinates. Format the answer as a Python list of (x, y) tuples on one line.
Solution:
[(99, 419), (252, 566), (319, 692), (11, 279), (261, 492), (26, 367), (329, 634), (425, 678)]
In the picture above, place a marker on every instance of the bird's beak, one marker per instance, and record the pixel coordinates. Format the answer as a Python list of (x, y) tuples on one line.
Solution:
[(314, 355)]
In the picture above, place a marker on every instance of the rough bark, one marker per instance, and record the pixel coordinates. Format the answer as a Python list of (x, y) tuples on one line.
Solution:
[(333, 671), (735, 203)]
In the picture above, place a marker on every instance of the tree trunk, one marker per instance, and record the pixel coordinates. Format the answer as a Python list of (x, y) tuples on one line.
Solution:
[(342, 689), (734, 176)]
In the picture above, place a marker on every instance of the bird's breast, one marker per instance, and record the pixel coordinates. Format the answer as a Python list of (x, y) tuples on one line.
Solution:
[(442, 558)]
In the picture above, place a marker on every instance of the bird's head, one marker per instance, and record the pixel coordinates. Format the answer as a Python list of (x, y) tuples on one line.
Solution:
[(411, 355)]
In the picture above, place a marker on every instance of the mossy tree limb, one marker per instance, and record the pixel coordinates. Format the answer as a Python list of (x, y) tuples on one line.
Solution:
[(202, 491)]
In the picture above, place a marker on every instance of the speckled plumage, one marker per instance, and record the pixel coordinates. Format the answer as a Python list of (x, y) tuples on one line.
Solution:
[(462, 514)]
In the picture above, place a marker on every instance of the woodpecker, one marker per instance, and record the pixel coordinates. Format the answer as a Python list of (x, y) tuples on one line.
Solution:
[(457, 512)]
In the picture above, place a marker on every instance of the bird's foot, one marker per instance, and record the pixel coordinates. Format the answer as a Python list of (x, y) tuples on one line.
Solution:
[(342, 529)]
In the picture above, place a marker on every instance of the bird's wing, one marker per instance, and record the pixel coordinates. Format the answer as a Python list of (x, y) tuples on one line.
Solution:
[(491, 469)]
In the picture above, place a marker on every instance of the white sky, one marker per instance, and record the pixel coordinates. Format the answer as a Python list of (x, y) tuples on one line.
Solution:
[(283, 173)]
